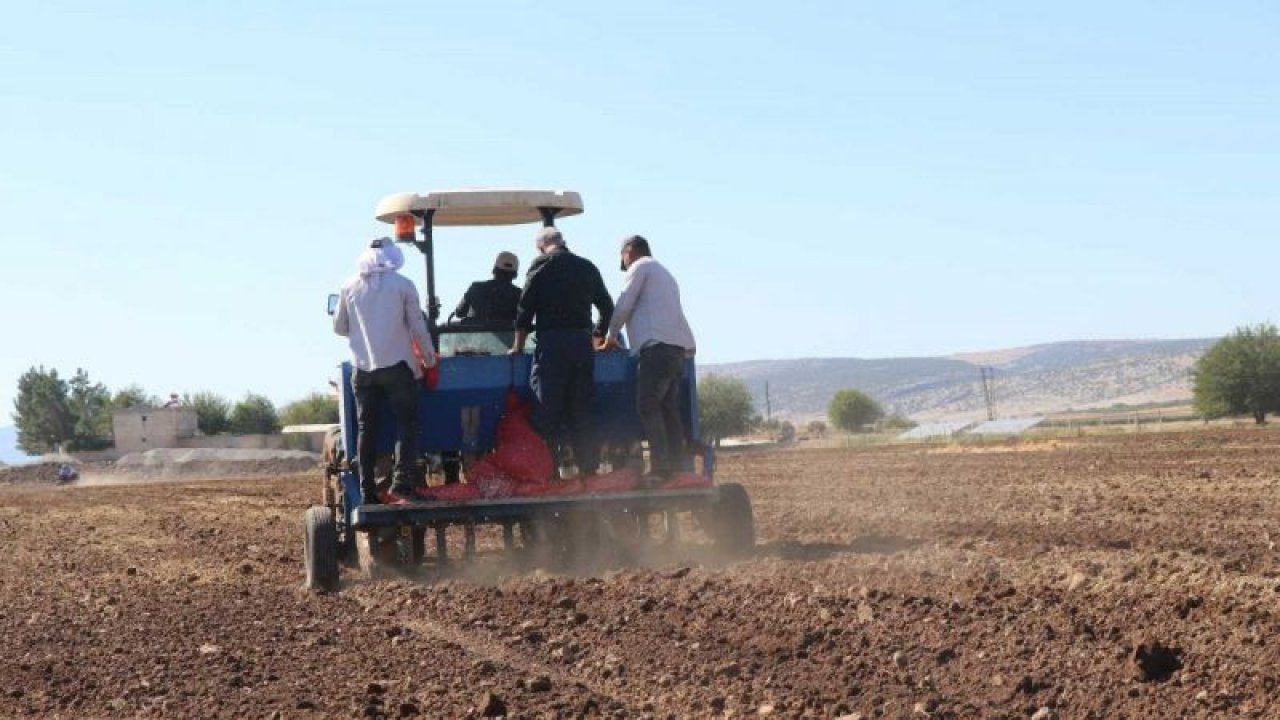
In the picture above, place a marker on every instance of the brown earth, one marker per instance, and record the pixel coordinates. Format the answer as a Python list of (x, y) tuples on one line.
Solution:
[(1131, 576), (30, 474), (105, 472)]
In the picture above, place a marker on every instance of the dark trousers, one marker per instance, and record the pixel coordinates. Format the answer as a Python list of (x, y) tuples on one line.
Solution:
[(658, 402), (563, 380), (374, 390)]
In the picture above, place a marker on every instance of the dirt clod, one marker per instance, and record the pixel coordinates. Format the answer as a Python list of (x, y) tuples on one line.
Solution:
[(540, 683), (730, 669), (490, 705), (1152, 661)]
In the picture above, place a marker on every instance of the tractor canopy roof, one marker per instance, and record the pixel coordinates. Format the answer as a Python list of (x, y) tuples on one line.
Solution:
[(480, 206)]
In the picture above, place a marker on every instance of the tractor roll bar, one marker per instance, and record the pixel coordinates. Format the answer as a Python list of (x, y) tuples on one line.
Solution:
[(427, 247)]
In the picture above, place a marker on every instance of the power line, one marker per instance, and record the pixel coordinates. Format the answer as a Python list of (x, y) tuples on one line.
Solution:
[(988, 384)]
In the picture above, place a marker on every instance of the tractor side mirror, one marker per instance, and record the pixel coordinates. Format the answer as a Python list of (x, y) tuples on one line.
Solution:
[(333, 304)]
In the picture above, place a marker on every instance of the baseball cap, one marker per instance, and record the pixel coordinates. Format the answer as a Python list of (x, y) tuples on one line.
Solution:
[(507, 261)]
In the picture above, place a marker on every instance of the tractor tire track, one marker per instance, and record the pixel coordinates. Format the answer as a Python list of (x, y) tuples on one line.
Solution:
[(492, 651)]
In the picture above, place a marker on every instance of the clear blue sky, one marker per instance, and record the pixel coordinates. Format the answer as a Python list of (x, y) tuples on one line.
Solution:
[(182, 184)]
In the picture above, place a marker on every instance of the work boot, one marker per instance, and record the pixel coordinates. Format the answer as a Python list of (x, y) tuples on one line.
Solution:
[(405, 481), (405, 492)]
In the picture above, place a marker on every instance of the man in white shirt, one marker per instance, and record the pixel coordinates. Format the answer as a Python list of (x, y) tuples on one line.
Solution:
[(379, 315), (649, 307)]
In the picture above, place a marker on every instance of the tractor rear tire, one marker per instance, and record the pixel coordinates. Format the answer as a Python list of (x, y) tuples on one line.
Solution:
[(733, 525), (321, 548)]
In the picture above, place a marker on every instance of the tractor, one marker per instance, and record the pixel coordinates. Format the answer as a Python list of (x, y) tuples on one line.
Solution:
[(475, 379)]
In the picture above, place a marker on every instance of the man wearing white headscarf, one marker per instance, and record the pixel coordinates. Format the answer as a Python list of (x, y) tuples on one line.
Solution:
[(378, 313)]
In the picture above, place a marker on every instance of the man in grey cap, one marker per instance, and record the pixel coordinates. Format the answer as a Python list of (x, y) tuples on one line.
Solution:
[(492, 303), (559, 292), (649, 307)]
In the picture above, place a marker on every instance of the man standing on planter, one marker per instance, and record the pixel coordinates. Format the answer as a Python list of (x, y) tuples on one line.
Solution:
[(559, 292), (649, 307), (378, 313)]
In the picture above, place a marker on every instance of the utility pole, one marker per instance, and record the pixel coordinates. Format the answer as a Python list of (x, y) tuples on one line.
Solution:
[(988, 382), (768, 406)]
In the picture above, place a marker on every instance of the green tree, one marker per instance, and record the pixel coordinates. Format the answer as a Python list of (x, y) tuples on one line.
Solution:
[(42, 411), (213, 412), (254, 415), (786, 433), (898, 422), (1240, 375), (851, 410), (131, 396), (759, 424), (724, 408), (817, 427), (51, 412), (90, 404), (314, 409)]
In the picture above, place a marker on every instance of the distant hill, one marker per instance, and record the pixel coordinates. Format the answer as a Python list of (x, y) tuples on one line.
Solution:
[(9, 452), (1028, 380)]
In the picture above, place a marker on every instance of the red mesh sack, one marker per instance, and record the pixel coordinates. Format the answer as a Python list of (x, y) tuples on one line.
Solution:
[(521, 454), (388, 498), (489, 479), (481, 469), (620, 480), (533, 489), (546, 489), (567, 487), (430, 375), (452, 493), (687, 480)]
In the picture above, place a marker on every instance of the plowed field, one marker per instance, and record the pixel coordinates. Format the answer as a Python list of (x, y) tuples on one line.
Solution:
[(1097, 577)]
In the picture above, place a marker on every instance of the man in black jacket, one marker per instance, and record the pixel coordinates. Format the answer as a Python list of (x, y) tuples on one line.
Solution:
[(559, 292), (490, 303)]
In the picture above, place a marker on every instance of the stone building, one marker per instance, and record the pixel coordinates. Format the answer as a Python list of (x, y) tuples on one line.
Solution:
[(141, 429)]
